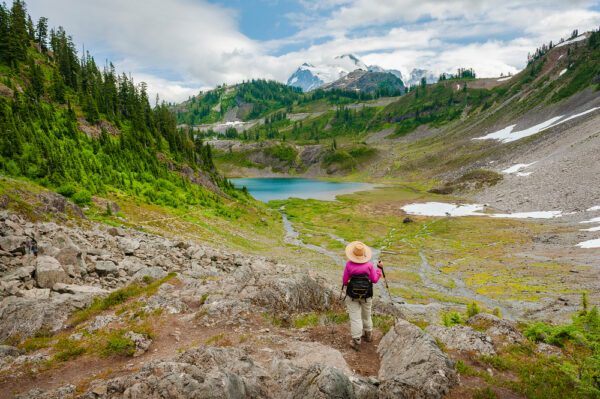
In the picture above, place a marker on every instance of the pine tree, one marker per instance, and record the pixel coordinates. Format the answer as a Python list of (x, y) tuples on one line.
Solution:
[(42, 33), (17, 38)]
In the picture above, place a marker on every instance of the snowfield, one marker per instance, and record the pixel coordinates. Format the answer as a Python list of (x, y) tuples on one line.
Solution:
[(590, 244), (562, 72), (571, 41), (504, 79), (507, 135), (448, 209), (516, 168)]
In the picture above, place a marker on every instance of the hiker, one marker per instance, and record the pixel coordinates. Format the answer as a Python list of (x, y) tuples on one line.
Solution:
[(359, 277), (34, 248), (28, 246)]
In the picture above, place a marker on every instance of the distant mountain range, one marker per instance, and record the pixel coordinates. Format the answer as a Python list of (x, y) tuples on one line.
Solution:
[(310, 76)]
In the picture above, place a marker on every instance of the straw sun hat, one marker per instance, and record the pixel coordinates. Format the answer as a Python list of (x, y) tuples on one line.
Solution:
[(358, 252)]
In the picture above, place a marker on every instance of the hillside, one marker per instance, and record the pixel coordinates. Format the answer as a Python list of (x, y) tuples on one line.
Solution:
[(429, 133), (368, 82)]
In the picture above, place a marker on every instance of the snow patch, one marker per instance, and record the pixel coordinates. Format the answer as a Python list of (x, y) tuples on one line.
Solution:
[(597, 228), (594, 220), (504, 79), (590, 244), (457, 87), (507, 135), (443, 209), (562, 72), (448, 209), (517, 167), (562, 55), (594, 208), (294, 80), (524, 174), (527, 215), (571, 41)]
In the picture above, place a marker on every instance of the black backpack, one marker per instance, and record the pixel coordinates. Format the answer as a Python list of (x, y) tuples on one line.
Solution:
[(360, 287)]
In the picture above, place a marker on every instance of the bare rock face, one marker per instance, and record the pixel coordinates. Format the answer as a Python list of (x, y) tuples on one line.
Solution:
[(99, 322), (413, 365), (463, 338), (49, 272)]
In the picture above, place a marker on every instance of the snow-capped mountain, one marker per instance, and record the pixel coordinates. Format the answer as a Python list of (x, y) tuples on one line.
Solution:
[(377, 68), (309, 76), (417, 74)]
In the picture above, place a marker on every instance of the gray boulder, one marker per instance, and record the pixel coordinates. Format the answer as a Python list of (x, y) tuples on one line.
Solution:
[(36, 293), (106, 267), (12, 243), (69, 255), (294, 294), (462, 338), (25, 316), (169, 305), (413, 365), (154, 272), (128, 245), (323, 382), (49, 272)]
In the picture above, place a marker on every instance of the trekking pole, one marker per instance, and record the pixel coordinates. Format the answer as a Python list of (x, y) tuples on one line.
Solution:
[(387, 287)]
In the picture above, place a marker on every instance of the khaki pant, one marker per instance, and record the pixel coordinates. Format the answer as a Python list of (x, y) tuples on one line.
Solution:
[(360, 316)]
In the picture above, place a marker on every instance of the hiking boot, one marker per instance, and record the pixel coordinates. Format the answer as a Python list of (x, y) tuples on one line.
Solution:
[(355, 344), (368, 336)]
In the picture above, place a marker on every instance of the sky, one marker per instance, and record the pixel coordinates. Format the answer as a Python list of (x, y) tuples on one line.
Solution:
[(179, 47)]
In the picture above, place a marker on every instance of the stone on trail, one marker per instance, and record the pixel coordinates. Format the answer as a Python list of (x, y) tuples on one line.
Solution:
[(49, 272), (463, 338), (413, 365)]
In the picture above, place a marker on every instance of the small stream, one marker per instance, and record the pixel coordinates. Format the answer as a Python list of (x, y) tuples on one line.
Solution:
[(425, 272)]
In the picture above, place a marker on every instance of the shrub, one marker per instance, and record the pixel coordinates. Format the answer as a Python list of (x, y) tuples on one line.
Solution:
[(82, 197), (452, 318), (66, 190), (118, 344), (473, 309)]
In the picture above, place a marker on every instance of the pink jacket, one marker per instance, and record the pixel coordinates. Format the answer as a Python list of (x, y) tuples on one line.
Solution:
[(361, 268)]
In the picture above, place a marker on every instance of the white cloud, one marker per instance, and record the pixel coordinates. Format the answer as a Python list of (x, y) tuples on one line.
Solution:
[(200, 44)]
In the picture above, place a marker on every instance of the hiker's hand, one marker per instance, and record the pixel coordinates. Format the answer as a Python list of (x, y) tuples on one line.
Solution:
[(380, 265)]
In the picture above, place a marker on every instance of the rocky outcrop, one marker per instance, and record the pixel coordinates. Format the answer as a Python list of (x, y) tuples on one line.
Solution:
[(496, 327), (462, 338), (413, 365)]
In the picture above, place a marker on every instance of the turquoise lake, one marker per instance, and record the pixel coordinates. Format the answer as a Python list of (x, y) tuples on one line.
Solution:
[(267, 189)]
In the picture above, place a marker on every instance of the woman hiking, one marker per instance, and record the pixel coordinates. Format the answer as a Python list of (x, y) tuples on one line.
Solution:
[(359, 277)]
